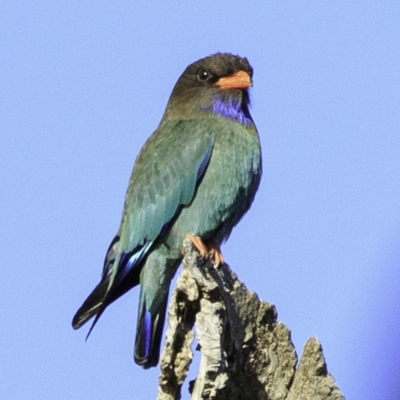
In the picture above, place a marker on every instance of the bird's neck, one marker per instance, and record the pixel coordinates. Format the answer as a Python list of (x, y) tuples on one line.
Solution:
[(224, 104)]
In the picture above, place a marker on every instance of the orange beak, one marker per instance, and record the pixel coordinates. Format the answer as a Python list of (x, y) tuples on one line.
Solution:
[(239, 80)]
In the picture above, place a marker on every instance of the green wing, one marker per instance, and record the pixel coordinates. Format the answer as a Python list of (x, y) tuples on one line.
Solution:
[(164, 178)]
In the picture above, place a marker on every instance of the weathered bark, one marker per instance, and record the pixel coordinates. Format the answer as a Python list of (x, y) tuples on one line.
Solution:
[(245, 352)]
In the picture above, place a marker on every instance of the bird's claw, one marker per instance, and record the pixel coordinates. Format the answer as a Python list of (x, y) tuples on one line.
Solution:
[(209, 250)]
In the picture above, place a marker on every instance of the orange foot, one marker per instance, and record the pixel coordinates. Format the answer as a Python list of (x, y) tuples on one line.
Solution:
[(208, 249)]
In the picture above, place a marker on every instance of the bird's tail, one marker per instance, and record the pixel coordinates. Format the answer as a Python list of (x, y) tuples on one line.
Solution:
[(155, 279), (149, 333)]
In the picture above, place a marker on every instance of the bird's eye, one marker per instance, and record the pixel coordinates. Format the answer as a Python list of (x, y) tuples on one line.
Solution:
[(203, 74)]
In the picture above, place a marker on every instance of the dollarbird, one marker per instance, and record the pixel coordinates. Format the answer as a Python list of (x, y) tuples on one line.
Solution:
[(195, 177)]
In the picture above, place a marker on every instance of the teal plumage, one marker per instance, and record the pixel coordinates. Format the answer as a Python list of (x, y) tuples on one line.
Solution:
[(196, 175)]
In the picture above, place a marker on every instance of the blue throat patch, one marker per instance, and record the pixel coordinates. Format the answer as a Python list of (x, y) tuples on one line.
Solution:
[(230, 108)]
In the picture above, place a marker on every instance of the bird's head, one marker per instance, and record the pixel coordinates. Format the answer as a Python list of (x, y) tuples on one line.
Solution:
[(217, 84)]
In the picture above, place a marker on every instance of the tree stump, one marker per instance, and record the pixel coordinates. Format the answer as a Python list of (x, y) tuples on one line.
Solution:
[(245, 352)]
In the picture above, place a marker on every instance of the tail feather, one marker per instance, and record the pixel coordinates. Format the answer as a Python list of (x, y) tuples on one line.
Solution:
[(102, 295), (148, 335), (90, 306)]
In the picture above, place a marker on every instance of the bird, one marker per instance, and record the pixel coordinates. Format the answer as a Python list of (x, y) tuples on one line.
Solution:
[(195, 177)]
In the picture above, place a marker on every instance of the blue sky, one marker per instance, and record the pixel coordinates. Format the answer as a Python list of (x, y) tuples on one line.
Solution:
[(83, 84)]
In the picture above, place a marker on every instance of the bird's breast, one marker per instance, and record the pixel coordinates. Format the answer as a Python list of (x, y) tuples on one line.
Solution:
[(227, 187)]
